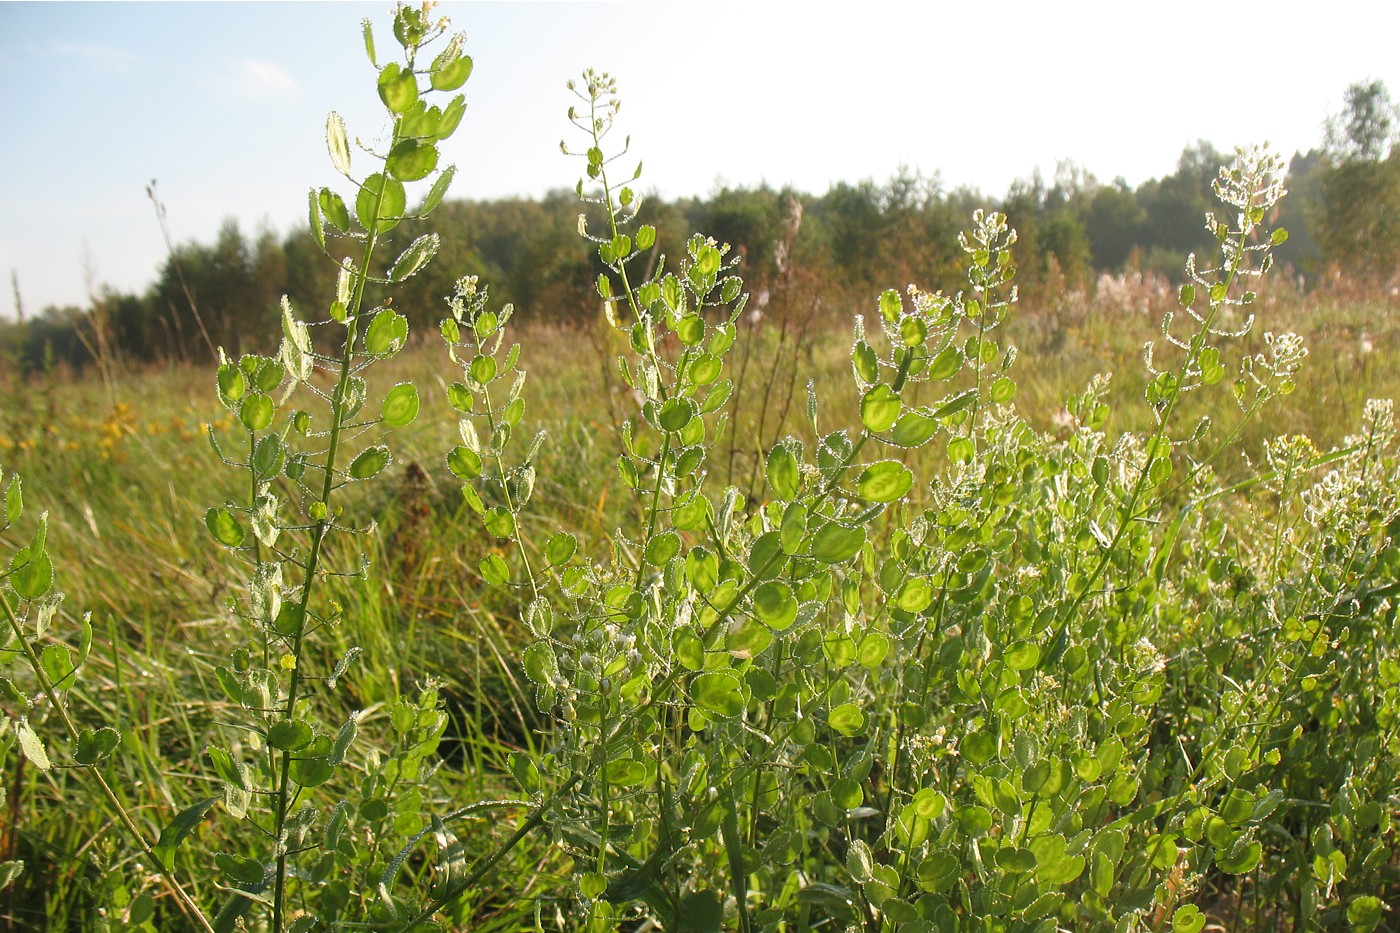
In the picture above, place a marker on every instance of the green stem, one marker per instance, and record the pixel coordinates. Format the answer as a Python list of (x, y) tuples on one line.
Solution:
[(535, 821), (283, 797), (1129, 512)]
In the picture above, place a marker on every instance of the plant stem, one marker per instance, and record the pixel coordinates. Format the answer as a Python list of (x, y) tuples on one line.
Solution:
[(318, 537)]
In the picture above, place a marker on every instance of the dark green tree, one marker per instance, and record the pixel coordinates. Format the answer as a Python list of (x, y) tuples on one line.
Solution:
[(1366, 128), (1173, 208), (1359, 226), (1114, 225)]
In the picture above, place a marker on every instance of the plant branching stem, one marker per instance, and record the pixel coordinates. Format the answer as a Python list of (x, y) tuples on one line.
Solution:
[(283, 797)]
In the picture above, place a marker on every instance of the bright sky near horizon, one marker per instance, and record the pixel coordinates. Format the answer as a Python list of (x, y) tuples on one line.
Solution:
[(224, 104)]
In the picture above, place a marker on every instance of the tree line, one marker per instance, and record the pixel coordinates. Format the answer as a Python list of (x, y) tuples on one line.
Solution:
[(830, 251)]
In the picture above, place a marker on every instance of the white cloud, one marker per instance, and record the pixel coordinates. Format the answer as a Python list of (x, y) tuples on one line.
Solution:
[(264, 79)]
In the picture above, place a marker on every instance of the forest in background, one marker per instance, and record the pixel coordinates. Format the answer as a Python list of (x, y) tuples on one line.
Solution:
[(823, 254)]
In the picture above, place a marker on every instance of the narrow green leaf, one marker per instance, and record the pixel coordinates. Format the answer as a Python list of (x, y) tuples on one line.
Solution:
[(239, 870), (865, 362), (333, 207), (14, 500), (337, 143), (956, 404), (367, 30), (450, 876), (438, 191), (451, 116), (179, 828), (313, 218), (9, 693), (343, 739), (343, 665), (31, 746), (226, 768), (417, 255)]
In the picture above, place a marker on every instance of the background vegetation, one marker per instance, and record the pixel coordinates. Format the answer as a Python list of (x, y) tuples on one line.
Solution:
[(1077, 235)]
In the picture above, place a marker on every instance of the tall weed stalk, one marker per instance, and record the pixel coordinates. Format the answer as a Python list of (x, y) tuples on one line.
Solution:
[(298, 462)]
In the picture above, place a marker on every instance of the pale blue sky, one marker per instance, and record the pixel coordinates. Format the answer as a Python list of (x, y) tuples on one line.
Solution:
[(225, 104)]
